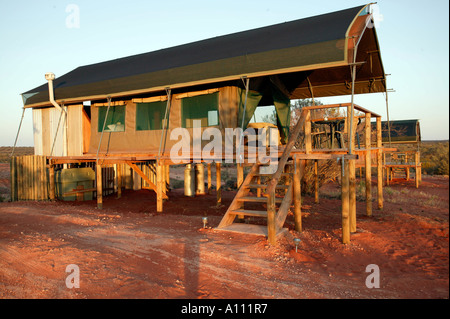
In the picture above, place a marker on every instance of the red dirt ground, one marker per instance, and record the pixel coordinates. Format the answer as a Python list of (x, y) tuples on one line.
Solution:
[(127, 250)]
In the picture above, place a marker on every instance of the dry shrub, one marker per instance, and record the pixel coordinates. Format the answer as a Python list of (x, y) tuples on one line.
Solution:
[(328, 171)]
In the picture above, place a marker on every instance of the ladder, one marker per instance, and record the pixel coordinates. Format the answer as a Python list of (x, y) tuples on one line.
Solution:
[(251, 194)]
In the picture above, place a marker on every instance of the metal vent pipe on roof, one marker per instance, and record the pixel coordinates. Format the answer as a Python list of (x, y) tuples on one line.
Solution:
[(49, 76)]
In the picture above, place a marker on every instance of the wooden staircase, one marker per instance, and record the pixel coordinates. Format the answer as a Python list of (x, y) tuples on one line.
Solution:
[(276, 216), (251, 202)]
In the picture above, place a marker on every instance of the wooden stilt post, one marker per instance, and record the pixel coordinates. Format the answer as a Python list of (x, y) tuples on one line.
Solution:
[(297, 197), (352, 194), (218, 183), (159, 186), (240, 174), (209, 177), (271, 226), (13, 178), (167, 177), (51, 176), (316, 181), (98, 170), (119, 180), (351, 170), (258, 190), (345, 209), (417, 168), (368, 163)]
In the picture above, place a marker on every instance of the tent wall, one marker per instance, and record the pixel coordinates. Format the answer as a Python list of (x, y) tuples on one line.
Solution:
[(37, 132), (148, 141), (45, 126), (75, 130)]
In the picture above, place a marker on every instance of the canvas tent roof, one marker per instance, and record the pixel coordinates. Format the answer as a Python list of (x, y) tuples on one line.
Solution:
[(319, 48)]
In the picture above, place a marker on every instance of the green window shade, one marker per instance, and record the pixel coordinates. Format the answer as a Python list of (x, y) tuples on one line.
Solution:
[(115, 121), (201, 107), (150, 116)]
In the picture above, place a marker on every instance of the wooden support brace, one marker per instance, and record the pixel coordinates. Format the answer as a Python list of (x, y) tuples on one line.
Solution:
[(145, 177)]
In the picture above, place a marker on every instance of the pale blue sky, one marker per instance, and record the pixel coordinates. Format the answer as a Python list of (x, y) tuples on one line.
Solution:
[(34, 39)]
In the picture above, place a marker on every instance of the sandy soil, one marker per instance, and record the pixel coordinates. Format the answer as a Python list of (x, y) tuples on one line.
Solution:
[(127, 250)]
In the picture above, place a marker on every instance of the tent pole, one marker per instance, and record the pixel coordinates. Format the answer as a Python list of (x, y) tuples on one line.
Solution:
[(17, 135), (164, 128), (104, 124), (311, 91), (239, 159), (387, 114), (57, 129)]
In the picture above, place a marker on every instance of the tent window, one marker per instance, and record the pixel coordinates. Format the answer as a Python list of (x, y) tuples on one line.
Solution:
[(150, 116), (201, 107), (115, 121)]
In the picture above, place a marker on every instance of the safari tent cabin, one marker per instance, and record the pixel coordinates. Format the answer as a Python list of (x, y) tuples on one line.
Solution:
[(218, 81)]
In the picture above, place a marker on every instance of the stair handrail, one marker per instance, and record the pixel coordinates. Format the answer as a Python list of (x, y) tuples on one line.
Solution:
[(286, 153), (271, 216)]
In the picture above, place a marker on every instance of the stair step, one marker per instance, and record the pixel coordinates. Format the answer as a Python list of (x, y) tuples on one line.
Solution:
[(265, 186), (249, 229), (257, 199), (246, 212)]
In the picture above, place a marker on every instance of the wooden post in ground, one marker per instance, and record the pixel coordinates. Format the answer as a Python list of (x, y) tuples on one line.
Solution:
[(159, 186), (167, 177), (218, 183), (258, 190), (13, 178), (271, 226), (98, 170), (388, 174), (417, 168), (240, 175), (119, 180), (368, 163), (352, 171), (345, 209), (209, 177), (297, 197), (407, 172), (316, 181), (51, 177), (352, 194)]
